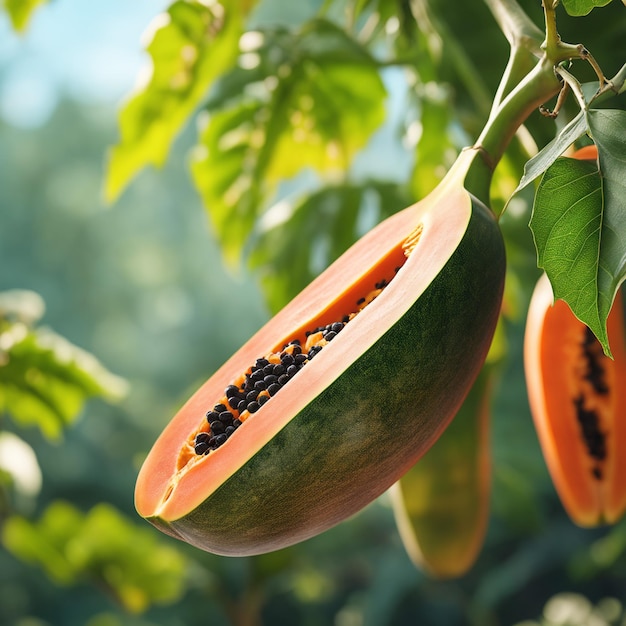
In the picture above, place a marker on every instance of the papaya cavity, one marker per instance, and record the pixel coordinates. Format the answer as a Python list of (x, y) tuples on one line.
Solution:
[(265, 378), (587, 409)]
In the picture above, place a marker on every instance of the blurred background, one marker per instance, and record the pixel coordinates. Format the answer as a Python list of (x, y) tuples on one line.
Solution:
[(142, 285)]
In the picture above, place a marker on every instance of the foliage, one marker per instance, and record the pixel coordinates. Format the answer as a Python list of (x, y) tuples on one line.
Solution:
[(44, 379), (193, 43), (127, 289), (287, 114), (288, 99), (101, 547)]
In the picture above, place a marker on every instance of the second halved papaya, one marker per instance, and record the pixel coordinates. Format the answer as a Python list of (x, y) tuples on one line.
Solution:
[(342, 391), (577, 398)]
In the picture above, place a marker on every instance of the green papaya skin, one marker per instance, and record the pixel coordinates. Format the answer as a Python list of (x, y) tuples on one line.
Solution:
[(441, 505), (365, 409)]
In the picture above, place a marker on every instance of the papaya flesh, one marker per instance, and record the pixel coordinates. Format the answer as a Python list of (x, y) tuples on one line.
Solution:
[(359, 414), (441, 505), (578, 403)]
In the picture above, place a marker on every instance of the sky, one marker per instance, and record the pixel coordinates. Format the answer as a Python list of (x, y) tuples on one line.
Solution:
[(91, 51)]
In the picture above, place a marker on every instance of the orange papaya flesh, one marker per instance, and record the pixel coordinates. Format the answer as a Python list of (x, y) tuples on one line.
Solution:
[(361, 413), (578, 401), (441, 505)]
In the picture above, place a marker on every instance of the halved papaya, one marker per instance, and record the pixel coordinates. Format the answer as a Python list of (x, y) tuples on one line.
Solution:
[(578, 402), (356, 417)]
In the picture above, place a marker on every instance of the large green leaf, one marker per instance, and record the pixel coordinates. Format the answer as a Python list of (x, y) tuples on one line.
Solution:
[(101, 546), (21, 12), (44, 379), (194, 43), (579, 224), (312, 99), (567, 224)]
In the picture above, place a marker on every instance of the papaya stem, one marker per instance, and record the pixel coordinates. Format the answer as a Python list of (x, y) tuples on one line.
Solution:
[(587, 56), (539, 85), (552, 41), (519, 64), (612, 87)]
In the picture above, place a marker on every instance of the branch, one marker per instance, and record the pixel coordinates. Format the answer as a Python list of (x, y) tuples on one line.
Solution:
[(539, 85)]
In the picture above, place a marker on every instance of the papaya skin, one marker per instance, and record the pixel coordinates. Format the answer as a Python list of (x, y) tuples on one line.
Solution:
[(590, 479), (441, 505), (361, 413)]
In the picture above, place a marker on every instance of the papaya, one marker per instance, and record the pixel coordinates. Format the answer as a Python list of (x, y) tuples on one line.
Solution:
[(385, 345), (441, 505), (577, 400)]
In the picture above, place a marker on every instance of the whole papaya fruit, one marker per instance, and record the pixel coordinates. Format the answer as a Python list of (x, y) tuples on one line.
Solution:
[(441, 505), (578, 402), (338, 395)]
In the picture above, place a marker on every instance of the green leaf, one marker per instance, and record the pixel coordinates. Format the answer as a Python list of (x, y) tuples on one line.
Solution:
[(127, 561), (313, 100), (21, 11), (44, 379), (567, 224), (194, 43), (301, 237), (579, 224), (583, 7)]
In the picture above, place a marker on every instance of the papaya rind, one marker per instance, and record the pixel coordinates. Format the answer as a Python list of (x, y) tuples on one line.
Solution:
[(352, 441)]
